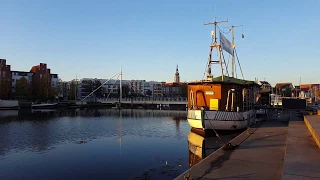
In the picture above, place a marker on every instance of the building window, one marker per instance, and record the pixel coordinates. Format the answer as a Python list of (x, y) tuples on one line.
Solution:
[(3, 74), (12, 80)]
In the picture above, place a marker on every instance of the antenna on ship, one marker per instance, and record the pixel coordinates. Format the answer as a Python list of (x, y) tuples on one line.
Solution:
[(212, 45), (234, 45)]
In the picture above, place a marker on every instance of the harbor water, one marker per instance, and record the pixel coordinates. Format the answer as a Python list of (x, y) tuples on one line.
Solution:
[(96, 144)]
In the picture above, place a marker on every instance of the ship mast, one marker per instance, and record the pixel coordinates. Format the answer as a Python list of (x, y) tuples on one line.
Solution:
[(214, 44), (233, 47)]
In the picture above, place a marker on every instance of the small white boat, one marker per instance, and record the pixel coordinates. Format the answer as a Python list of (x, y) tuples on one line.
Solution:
[(44, 106), (9, 104)]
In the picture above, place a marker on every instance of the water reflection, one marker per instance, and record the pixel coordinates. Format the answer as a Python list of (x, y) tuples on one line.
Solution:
[(79, 143), (40, 130), (47, 114), (200, 147), (8, 113)]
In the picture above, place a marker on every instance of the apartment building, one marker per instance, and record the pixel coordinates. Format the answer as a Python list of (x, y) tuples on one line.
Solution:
[(5, 80), (34, 76), (110, 88), (17, 75)]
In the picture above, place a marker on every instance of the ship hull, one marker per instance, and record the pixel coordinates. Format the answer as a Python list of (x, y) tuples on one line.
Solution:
[(44, 106), (221, 120), (9, 104)]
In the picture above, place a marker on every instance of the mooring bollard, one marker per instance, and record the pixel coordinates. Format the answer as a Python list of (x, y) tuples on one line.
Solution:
[(248, 123), (248, 120)]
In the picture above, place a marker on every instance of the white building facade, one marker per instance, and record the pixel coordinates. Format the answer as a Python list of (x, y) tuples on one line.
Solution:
[(111, 87), (17, 75), (54, 80)]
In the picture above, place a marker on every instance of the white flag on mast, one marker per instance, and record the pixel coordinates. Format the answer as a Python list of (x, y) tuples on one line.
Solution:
[(226, 44)]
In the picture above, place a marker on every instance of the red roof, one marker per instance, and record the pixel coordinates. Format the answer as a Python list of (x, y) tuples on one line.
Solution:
[(34, 68), (174, 84), (305, 86), (280, 85)]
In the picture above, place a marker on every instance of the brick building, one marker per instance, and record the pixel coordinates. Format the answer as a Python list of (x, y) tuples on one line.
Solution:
[(175, 88), (284, 89), (5, 80), (9, 78), (41, 81)]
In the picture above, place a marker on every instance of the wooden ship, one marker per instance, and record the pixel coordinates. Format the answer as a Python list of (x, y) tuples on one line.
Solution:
[(223, 102)]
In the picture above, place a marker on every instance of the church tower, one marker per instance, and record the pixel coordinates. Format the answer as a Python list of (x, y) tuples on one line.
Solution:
[(176, 76)]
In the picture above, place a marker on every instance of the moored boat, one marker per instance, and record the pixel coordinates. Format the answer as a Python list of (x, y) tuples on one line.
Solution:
[(44, 106), (223, 102), (9, 104)]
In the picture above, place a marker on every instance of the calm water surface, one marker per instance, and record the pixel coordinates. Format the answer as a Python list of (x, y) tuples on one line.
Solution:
[(96, 144)]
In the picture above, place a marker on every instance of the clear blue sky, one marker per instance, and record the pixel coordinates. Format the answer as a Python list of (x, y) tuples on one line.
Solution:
[(149, 37)]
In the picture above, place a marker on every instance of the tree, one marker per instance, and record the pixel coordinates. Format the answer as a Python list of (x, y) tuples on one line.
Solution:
[(72, 91), (44, 88), (57, 91), (4, 89), (23, 88), (99, 92), (149, 92), (88, 86)]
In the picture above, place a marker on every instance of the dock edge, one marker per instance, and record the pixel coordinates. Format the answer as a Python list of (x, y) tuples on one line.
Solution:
[(312, 131), (239, 139)]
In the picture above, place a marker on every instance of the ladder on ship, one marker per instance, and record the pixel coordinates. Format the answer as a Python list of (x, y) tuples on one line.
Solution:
[(247, 99)]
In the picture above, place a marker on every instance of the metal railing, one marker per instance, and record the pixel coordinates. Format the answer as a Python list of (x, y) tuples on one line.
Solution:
[(142, 99)]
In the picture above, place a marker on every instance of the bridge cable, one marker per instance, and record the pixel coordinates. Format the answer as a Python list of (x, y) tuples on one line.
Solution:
[(99, 87)]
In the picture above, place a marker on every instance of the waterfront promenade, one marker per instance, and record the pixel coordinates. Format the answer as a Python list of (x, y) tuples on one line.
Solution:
[(274, 149)]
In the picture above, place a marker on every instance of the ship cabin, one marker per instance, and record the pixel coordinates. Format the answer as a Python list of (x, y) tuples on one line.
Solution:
[(231, 94)]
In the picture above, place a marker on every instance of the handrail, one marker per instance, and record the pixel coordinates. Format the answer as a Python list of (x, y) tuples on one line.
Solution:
[(139, 99)]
